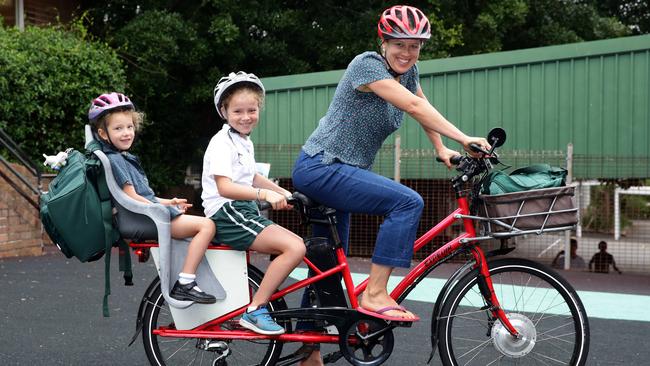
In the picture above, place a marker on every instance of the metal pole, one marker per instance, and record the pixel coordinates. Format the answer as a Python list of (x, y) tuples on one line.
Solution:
[(569, 163), (398, 158), (20, 14), (617, 213), (569, 178)]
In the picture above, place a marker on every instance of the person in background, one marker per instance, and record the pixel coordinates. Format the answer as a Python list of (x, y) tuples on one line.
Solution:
[(602, 260), (576, 261)]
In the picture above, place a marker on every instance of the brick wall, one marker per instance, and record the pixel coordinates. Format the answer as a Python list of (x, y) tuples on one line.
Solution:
[(21, 233)]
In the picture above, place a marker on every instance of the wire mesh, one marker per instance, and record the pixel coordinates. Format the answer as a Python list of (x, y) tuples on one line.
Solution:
[(420, 172)]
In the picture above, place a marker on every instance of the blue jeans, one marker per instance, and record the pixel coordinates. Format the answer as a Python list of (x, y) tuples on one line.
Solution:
[(350, 189)]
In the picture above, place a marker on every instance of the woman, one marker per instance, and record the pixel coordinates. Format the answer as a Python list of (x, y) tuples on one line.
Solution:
[(334, 165)]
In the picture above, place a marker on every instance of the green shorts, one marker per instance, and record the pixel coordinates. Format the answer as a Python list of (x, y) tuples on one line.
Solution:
[(238, 224)]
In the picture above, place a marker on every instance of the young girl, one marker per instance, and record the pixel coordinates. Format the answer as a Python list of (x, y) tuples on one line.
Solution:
[(114, 118), (231, 188)]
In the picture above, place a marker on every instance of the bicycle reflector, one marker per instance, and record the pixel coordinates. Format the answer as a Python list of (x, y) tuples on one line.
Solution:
[(143, 254)]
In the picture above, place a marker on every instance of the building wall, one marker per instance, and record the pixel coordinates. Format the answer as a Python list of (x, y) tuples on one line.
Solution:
[(7, 11), (39, 12), (595, 95), (21, 231)]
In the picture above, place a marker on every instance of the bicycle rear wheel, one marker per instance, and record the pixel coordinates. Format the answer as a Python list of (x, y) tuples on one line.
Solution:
[(169, 351), (541, 305)]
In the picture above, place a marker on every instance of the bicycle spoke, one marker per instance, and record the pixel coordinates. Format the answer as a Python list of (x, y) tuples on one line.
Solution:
[(497, 359), (177, 350), (538, 359), (533, 288), (558, 337), (196, 353), (557, 328), (556, 361), (463, 315), (478, 350)]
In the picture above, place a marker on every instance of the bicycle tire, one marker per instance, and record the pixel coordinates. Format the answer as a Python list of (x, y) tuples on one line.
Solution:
[(539, 302), (168, 351)]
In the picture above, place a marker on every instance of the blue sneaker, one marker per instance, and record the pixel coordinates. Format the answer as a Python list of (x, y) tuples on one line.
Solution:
[(259, 321)]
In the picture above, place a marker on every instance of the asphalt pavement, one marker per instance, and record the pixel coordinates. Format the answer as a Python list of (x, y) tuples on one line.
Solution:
[(51, 314)]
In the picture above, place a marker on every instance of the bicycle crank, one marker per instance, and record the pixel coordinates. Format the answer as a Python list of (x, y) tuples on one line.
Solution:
[(514, 347), (220, 349), (366, 342)]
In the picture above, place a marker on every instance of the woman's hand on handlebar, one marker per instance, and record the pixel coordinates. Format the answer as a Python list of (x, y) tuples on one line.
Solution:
[(445, 154), (480, 142)]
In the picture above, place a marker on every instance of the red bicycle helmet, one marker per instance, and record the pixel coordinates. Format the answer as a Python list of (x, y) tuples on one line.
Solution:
[(403, 21)]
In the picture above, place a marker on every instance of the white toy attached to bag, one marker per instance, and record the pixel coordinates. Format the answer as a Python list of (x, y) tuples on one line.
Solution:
[(57, 161)]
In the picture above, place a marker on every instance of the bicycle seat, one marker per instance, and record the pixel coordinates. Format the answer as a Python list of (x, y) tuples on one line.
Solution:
[(141, 221)]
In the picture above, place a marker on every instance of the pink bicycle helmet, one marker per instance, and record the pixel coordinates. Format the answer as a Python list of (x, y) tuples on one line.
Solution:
[(106, 102), (403, 22)]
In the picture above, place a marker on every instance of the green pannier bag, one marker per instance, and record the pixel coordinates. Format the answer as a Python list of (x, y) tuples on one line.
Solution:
[(536, 176), (77, 214)]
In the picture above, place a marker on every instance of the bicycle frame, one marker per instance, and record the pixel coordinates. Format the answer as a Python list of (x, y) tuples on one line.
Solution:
[(213, 329)]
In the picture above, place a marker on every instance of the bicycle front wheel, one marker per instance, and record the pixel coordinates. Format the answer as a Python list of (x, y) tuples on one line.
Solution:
[(169, 351), (541, 305)]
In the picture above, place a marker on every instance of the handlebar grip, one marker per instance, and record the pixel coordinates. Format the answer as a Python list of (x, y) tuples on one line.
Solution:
[(455, 160), (265, 205), (478, 148)]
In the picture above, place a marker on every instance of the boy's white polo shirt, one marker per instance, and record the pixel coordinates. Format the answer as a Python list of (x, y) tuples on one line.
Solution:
[(230, 155)]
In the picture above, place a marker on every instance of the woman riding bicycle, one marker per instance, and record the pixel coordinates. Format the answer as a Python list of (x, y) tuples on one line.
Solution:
[(334, 165)]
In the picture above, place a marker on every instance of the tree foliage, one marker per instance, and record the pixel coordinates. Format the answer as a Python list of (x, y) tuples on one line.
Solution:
[(173, 53), (635, 14), (496, 25), (48, 78)]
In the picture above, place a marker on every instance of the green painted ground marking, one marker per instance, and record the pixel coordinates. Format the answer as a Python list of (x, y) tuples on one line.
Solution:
[(603, 305)]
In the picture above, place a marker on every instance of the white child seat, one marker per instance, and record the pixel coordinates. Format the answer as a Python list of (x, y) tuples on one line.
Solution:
[(141, 221)]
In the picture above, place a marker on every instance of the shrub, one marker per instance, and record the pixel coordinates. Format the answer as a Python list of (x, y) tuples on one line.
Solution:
[(49, 76)]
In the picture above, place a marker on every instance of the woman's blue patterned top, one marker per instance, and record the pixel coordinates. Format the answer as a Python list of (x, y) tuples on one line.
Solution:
[(357, 123)]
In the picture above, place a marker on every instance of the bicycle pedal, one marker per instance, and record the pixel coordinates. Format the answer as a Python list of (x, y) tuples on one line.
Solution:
[(402, 324), (332, 357)]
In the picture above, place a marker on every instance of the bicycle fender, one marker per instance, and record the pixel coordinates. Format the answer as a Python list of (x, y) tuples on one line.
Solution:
[(461, 272), (145, 299)]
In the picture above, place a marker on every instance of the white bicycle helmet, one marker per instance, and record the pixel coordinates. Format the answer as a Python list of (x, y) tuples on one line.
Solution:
[(233, 79)]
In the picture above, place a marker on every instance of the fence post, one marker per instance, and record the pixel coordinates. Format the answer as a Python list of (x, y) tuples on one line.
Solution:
[(20, 15), (569, 179), (579, 188), (398, 158), (617, 213)]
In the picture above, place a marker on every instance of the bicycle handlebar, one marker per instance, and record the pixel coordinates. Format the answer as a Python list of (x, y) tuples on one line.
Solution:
[(478, 148), (265, 205), (455, 160)]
